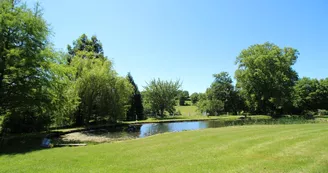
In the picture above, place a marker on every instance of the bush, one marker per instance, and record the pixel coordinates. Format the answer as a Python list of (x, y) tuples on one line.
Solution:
[(178, 112), (25, 123), (322, 112), (308, 114)]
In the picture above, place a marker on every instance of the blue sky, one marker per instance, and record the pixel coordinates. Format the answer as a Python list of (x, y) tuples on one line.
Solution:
[(191, 40)]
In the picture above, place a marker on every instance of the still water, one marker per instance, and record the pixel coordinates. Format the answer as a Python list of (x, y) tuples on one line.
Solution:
[(156, 128), (144, 130)]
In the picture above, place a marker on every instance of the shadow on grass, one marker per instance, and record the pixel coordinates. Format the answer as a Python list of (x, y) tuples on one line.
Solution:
[(24, 143), (21, 144)]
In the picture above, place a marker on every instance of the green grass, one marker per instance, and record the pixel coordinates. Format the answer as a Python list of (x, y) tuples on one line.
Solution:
[(188, 110), (260, 148)]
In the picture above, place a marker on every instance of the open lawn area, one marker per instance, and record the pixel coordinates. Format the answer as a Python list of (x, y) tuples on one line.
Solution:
[(258, 148), (188, 110)]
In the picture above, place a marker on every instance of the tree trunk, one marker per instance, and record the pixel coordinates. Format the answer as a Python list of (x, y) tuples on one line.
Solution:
[(162, 112), (78, 117)]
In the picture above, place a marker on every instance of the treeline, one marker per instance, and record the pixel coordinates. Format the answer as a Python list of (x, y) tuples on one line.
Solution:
[(41, 87), (266, 83)]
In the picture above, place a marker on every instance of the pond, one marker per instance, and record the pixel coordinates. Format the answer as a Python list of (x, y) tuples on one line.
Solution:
[(144, 130), (117, 133), (156, 128)]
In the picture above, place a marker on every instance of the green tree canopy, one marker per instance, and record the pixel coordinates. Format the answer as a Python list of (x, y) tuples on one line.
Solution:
[(266, 78), (83, 44), (223, 90), (136, 109), (311, 94), (194, 97), (25, 68), (182, 96), (103, 94), (160, 95), (210, 106)]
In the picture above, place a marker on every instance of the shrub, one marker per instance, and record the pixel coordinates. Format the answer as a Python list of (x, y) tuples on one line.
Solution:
[(322, 112), (178, 112), (25, 122)]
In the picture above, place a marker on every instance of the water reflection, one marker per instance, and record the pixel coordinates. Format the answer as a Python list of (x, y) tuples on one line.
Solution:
[(144, 130), (155, 128)]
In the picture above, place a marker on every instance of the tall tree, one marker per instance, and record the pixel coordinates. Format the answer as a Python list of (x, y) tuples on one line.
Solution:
[(83, 44), (136, 109), (310, 94), (194, 97), (25, 57), (266, 78), (223, 90), (160, 95), (183, 96), (306, 95), (103, 94)]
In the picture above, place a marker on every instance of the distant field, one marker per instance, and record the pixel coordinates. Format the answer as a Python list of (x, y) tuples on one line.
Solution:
[(188, 110), (258, 148)]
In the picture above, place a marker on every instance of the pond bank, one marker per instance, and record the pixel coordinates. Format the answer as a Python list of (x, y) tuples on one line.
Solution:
[(173, 119), (153, 128)]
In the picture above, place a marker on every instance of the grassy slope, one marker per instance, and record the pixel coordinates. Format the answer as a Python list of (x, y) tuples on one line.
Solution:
[(275, 148), (188, 110)]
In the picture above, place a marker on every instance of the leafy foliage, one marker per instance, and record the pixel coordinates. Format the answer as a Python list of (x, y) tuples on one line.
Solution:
[(310, 94), (25, 65), (183, 96), (266, 78), (194, 97), (221, 96), (136, 109), (211, 106), (159, 95), (103, 94)]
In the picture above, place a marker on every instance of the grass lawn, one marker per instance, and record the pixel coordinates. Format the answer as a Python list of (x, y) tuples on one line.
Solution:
[(188, 110), (258, 148)]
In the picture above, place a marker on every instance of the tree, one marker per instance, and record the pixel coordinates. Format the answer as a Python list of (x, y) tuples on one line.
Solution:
[(84, 44), (323, 94), (306, 95), (65, 99), (194, 97), (310, 95), (266, 78), (25, 58), (103, 94), (136, 108), (223, 90), (212, 107), (160, 95), (183, 96)]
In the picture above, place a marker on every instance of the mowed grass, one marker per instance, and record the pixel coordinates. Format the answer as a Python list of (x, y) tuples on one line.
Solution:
[(188, 110), (258, 148)]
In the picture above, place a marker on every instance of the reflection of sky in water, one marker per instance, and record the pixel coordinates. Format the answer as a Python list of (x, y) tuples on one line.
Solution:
[(155, 128)]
